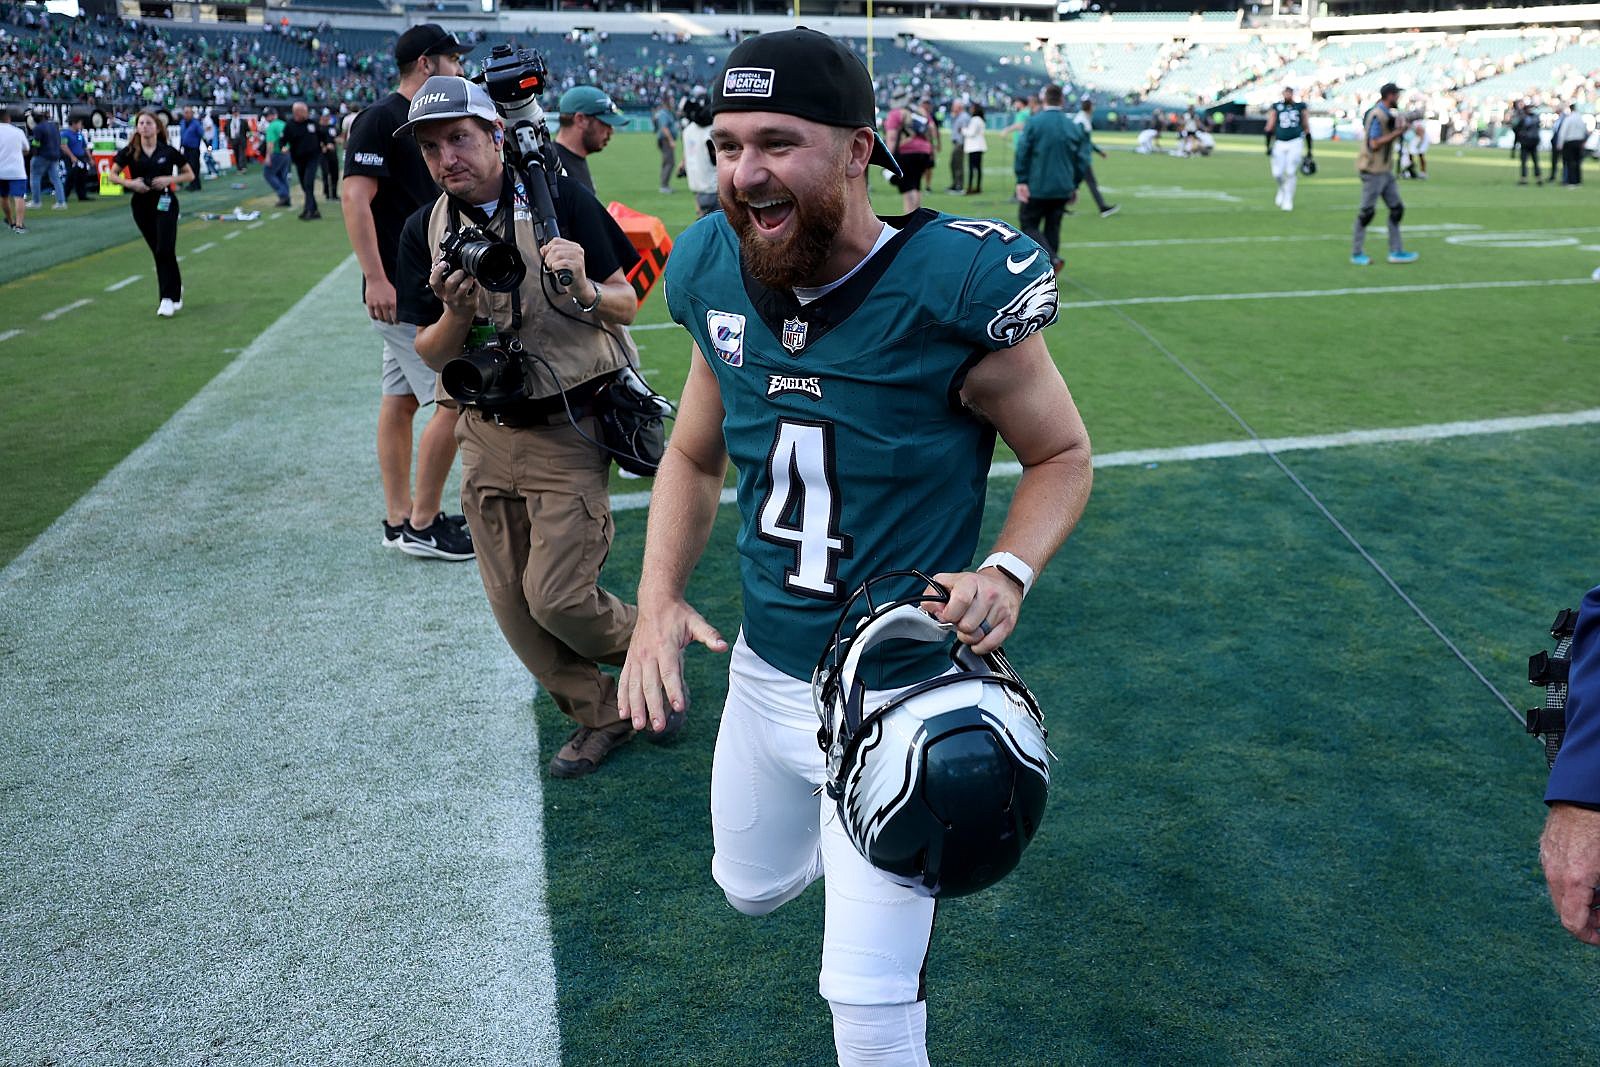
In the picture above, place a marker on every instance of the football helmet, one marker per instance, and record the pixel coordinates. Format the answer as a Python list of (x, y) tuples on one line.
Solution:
[(1308, 166), (942, 785)]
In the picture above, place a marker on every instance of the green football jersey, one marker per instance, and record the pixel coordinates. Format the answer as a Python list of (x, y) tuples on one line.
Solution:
[(1291, 121), (855, 455)]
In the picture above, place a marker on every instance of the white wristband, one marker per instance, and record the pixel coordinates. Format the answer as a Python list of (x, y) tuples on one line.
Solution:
[(1011, 567)]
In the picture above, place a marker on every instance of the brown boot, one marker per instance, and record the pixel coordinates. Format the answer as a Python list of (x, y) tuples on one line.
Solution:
[(587, 748)]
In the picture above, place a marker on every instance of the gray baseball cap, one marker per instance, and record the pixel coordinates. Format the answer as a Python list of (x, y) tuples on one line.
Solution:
[(445, 97)]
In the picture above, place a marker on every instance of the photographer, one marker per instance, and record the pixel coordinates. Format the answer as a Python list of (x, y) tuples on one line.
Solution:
[(1375, 164), (699, 157), (534, 480)]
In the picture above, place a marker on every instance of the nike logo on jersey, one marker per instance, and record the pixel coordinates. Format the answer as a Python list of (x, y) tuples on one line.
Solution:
[(1017, 266)]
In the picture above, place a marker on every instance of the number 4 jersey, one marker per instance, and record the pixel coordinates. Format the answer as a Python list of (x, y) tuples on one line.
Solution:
[(855, 455)]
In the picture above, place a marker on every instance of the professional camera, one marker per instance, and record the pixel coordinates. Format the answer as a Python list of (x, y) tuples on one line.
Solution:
[(515, 77), (495, 263), (488, 375), (695, 108)]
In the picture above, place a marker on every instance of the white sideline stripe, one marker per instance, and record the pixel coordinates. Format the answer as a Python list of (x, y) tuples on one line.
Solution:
[(1445, 230), (255, 225), (51, 316), (204, 248), (124, 283), (1287, 294), (275, 214), (1140, 457), (9, 334), (499, 998), (231, 236)]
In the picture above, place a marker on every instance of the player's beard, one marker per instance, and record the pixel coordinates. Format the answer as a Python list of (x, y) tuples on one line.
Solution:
[(797, 259)]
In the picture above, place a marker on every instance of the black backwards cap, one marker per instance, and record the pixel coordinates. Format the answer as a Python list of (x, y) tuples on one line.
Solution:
[(803, 73), (427, 39)]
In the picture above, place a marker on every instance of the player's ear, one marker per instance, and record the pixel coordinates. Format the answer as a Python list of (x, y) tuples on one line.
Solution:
[(862, 142)]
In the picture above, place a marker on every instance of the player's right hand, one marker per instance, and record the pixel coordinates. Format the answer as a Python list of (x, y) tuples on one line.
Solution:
[(651, 686), (381, 300)]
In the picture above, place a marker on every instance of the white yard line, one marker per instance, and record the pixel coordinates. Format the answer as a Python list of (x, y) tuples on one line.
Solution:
[(255, 225), (7, 335), (204, 248), (51, 316), (124, 283), (232, 235), (1243, 447), (1306, 294)]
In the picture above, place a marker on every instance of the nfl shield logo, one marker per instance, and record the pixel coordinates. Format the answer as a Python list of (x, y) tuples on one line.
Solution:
[(794, 334)]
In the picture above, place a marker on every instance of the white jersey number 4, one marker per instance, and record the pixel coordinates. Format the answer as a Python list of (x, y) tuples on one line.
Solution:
[(801, 509)]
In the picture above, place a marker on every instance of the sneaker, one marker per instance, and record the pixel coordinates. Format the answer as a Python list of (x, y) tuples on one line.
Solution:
[(1361, 259), (458, 521), (392, 534), (1403, 257), (1524, 181), (165, 310), (1287, 205), (58, 207), (587, 748), (665, 190), (19, 229), (1109, 210), (438, 540)]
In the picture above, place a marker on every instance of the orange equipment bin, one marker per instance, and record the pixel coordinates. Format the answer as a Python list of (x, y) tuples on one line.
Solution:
[(649, 239)]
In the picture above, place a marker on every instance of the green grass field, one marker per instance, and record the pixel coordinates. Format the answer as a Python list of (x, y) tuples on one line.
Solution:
[(269, 794)]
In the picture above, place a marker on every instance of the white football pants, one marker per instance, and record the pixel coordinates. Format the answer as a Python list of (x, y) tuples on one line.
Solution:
[(774, 835), (1286, 157)]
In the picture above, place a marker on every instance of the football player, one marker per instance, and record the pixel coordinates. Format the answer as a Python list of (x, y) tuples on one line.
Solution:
[(856, 370), (1288, 142)]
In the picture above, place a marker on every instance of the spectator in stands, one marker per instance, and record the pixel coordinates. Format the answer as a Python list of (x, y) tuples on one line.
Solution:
[(905, 131), (666, 125), (237, 131), (1049, 165), (46, 162), (958, 149), (275, 168), (1382, 125), (588, 118), (1569, 136), (190, 133), (13, 172), (305, 150), (385, 181), (1085, 120), (76, 156), (151, 169)]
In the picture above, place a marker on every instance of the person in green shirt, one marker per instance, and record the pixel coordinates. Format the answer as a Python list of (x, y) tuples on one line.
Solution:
[(276, 170)]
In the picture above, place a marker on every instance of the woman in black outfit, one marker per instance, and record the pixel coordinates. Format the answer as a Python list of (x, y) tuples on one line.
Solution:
[(152, 170)]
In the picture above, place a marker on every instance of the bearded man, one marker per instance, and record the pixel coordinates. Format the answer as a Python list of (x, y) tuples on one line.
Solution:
[(856, 370)]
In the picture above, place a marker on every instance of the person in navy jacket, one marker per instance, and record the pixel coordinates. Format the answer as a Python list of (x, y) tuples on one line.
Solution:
[(1570, 846)]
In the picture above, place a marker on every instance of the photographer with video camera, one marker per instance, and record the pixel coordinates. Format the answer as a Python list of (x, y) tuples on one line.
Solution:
[(516, 278)]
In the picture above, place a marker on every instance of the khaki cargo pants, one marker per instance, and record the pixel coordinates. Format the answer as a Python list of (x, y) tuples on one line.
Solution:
[(540, 513)]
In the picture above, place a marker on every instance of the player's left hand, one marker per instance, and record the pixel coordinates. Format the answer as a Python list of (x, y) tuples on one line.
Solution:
[(978, 600), (1569, 851), (561, 253)]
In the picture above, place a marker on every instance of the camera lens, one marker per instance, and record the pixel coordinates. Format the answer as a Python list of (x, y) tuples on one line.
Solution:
[(472, 377), (497, 266)]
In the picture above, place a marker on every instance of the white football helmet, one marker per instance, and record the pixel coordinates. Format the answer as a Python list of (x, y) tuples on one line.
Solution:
[(942, 785)]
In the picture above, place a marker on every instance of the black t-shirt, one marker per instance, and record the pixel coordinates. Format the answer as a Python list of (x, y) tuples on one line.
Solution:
[(576, 166), (606, 249), (302, 139), (164, 162), (404, 184)]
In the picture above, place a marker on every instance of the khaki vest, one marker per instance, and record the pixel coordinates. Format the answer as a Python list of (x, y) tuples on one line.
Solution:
[(1382, 160), (578, 346)]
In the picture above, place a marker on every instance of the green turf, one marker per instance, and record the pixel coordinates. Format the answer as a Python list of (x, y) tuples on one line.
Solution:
[(1287, 825)]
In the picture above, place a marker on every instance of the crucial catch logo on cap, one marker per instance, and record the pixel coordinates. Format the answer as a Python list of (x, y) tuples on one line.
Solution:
[(747, 81)]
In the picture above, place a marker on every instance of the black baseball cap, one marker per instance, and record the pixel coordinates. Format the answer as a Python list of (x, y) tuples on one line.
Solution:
[(428, 39), (1388, 87), (803, 73)]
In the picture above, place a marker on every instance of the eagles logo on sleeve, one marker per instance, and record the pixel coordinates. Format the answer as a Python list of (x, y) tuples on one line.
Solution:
[(1027, 313)]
